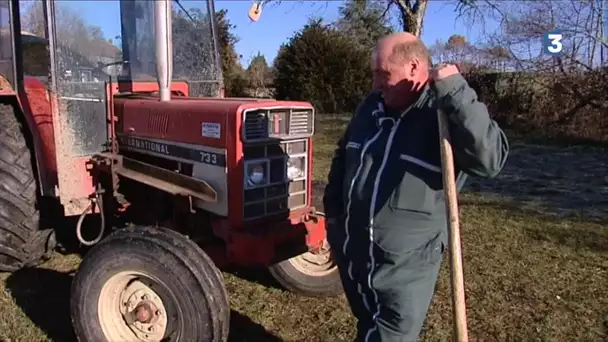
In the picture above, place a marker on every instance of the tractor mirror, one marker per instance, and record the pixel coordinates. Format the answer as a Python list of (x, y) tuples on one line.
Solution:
[(112, 69), (255, 11)]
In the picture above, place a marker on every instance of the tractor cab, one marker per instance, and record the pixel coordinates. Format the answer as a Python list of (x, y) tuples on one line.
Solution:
[(131, 46)]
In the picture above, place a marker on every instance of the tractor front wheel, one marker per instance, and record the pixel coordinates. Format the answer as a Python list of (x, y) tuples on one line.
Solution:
[(149, 284), (312, 274)]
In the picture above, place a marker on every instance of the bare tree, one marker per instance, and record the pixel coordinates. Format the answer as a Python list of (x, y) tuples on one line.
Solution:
[(72, 30), (495, 57), (409, 12), (439, 52), (470, 57), (364, 21), (576, 79), (80, 45), (459, 48), (258, 75), (522, 25)]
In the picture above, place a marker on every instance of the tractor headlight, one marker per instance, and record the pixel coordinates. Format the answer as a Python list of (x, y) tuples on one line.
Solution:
[(296, 168), (256, 174)]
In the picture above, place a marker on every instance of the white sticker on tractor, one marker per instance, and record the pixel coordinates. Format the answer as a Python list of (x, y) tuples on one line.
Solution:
[(211, 130)]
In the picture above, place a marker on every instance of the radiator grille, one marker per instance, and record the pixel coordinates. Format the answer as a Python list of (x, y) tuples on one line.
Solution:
[(278, 123), (300, 122), (285, 188), (256, 126)]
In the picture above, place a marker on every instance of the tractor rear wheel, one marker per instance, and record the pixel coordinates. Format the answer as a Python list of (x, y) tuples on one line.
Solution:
[(22, 241), (312, 274), (149, 284)]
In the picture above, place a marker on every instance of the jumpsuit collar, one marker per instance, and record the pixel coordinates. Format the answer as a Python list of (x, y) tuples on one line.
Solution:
[(419, 103)]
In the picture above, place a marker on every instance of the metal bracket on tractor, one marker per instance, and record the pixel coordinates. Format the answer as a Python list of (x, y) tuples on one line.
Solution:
[(171, 182)]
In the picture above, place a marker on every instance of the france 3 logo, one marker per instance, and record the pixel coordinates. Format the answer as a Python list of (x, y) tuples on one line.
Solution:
[(552, 43)]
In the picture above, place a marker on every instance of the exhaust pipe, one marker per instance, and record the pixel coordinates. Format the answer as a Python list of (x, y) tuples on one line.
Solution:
[(164, 48)]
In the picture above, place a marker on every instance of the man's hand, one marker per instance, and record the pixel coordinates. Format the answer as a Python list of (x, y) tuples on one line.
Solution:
[(443, 71), (480, 146)]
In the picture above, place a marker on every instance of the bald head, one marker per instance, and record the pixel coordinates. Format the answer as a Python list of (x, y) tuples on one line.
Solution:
[(402, 47), (400, 66)]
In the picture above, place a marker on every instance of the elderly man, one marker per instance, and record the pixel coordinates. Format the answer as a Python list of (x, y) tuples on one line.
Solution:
[(384, 200)]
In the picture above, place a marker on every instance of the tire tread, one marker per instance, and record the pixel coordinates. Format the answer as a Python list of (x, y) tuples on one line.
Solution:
[(22, 242)]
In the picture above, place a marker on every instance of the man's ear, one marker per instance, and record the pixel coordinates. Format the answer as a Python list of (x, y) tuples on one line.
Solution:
[(414, 66)]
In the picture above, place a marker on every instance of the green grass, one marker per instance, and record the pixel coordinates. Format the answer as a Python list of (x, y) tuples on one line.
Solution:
[(529, 277)]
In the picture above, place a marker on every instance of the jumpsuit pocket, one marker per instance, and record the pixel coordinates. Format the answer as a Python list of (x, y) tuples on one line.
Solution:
[(424, 252), (418, 194)]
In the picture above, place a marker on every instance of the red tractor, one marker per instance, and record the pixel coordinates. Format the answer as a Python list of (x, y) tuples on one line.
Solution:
[(181, 181)]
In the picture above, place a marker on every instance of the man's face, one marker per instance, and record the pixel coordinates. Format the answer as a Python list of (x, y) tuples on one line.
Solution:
[(396, 81)]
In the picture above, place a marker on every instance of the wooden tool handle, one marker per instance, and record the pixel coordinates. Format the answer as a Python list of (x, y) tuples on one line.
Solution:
[(451, 203)]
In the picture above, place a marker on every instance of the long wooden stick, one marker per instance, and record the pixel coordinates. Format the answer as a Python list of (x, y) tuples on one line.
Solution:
[(451, 204)]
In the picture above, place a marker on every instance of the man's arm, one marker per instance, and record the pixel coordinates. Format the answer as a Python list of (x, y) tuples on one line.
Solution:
[(480, 146), (332, 197)]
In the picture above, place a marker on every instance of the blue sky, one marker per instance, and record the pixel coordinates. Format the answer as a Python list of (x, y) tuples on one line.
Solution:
[(278, 21)]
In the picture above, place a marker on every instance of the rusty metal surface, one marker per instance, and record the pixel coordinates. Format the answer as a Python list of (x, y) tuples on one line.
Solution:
[(5, 85), (83, 108), (163, 179)]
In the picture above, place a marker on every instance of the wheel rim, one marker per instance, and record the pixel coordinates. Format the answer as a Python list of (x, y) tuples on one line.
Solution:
[(130, 310), (315, 263)]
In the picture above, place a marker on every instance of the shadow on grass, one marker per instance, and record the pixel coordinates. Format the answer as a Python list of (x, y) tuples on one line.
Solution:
[(44, 297), (259, 276), (243, 329)]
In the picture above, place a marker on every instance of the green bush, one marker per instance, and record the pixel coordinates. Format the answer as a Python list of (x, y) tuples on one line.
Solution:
[(322, 66)]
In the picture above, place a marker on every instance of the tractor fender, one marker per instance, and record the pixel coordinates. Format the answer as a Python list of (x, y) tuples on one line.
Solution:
[(33, 106)]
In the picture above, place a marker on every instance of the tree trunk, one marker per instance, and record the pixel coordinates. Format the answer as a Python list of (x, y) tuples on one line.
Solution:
[(412, 15)]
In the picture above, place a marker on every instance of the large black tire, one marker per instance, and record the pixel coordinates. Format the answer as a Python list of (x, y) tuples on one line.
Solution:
[(156, 265), (312, 274), (22, 241)]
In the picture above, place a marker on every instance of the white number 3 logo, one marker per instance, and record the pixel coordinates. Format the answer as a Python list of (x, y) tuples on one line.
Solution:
[(556, 42)]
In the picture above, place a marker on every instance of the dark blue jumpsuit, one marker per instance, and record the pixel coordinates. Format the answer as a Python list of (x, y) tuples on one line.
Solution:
[(386, 201)]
